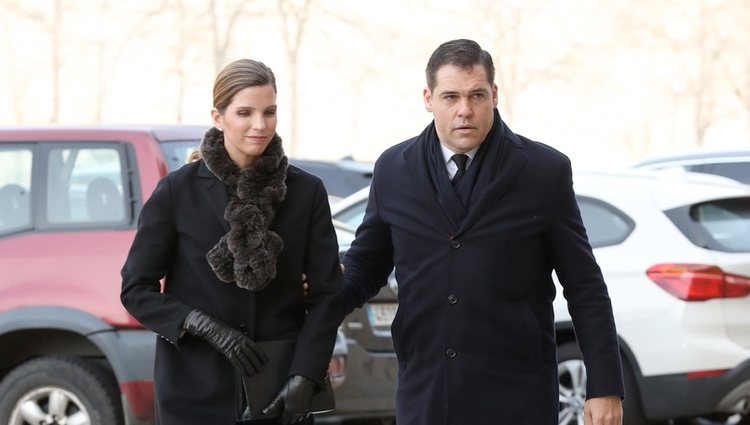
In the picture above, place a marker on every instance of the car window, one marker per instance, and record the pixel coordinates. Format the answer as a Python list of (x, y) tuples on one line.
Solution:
[(84, 185), (739, 171), (353, 215), (177, 153), (727, 222), (605, 224), (340, 181), (15, 188)]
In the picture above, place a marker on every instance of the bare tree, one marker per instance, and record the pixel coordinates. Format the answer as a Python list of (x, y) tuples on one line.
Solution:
[(360, 68), (56, 36), (180, 52), (110, 48), (736, 63), (17, 80), (519, 63), (224, 16), (53, 28), (693, 39), (294, 17)]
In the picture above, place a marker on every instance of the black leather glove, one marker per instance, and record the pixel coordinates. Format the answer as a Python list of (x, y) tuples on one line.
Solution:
[(293, 401), (245, 356)]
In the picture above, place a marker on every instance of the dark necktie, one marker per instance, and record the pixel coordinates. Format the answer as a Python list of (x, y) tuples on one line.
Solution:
[(460, 160)]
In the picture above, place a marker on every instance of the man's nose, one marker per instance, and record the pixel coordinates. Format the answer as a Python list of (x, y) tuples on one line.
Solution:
[(464, 107)]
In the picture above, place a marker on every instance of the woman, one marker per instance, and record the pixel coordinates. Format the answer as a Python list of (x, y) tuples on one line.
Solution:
[(231, 234)]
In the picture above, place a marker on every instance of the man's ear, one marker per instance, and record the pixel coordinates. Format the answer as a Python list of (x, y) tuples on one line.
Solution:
[(427, 94), (494, 94)]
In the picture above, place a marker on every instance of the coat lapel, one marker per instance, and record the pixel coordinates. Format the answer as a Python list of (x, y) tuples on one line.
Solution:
[(506, 166), (416, 165), (216, 192)]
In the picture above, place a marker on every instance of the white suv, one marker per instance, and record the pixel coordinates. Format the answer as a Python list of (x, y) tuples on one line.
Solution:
[(675, 252), (734, 164)]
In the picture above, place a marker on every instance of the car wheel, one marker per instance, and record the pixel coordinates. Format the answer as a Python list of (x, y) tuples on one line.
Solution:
[(632, 408), (59, 390), (572, 376), (572, 381)]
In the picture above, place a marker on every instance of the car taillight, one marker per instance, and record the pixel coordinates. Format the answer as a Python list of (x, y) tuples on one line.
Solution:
[(698, 282), (337, 370)]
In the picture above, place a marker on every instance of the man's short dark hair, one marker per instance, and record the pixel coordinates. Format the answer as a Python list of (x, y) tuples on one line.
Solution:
[(462, 53)]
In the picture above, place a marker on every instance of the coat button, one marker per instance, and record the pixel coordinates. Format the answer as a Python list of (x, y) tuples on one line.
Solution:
[(455, 243), (451, 353), (452, 299)]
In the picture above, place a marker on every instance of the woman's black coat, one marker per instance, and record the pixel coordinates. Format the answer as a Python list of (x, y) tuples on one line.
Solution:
[(179, 224)]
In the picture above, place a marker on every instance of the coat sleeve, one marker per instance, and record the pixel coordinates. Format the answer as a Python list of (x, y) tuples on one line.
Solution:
[(318, 335), (586, 293), (369, 260), (147, 263)]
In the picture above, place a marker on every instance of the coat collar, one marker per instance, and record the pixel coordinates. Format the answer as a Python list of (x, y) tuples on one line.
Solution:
[(416, 163), (506, 165)]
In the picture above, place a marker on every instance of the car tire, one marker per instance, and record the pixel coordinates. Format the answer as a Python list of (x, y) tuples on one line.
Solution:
[(83, 391), (572, 379), (632, 407)]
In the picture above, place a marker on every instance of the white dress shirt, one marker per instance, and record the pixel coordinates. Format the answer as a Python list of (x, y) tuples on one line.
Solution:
[(450, 165)]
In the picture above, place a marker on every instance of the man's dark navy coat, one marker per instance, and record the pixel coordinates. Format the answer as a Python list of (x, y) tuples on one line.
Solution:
[(474, 330)]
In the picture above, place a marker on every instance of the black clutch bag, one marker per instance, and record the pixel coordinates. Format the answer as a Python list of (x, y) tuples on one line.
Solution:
[(255, 393)]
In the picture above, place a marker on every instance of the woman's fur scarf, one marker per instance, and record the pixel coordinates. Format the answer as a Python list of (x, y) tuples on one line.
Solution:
[(247, 254)]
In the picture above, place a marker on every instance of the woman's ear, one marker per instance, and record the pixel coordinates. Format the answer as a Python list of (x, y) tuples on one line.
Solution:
[(218, 119)]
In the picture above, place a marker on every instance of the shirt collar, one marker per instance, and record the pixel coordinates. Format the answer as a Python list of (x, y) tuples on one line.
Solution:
[(447, 154)]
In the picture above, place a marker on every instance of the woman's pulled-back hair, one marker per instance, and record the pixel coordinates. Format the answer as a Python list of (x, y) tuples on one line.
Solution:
[(239, 75)]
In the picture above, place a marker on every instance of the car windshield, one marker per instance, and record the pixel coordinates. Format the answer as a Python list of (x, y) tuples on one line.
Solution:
[(726, 221), (177, 152)]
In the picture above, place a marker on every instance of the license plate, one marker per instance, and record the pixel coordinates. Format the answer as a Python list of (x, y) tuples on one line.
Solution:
[(381, 315)]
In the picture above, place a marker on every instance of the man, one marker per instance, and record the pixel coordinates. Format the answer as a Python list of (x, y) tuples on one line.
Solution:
[(474, 240)]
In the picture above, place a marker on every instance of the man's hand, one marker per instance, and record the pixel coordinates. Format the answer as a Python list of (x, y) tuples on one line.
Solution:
[(603, 411), (293, 401)]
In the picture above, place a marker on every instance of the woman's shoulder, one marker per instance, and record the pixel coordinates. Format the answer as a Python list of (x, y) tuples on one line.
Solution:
[(186, 171), (298, 176)]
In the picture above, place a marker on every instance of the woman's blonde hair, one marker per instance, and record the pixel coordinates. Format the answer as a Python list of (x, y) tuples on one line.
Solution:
[(194, 156)]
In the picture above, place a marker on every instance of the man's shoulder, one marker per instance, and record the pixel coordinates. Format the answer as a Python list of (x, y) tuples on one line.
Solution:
[(540, 151), (393, 155), (400, 148)]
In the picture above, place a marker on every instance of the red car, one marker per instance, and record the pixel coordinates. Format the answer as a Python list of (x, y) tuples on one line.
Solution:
[(69, 202)]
